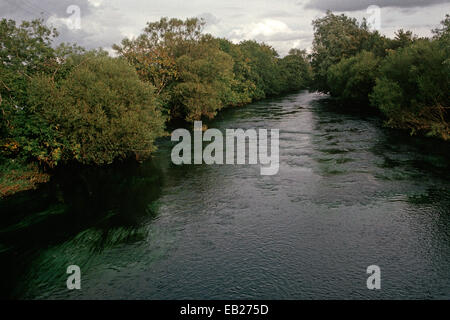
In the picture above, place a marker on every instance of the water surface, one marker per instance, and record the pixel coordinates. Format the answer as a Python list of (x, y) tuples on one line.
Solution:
[(349, 194)]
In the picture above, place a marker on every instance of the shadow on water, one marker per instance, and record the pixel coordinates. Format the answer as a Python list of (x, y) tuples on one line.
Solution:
[(353, 145), (87, 209)]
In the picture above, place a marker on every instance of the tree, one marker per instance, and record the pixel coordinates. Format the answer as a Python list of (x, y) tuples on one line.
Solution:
[(205, 79), (336, 37), (263, 60), (296, 71), (26, 51), (353, 79), (100, 113), (402, 39), (413, 89), (442, 35), (192, 75), (243, 89)]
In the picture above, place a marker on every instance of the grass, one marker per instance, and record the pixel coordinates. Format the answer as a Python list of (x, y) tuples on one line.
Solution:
[(16, 177)]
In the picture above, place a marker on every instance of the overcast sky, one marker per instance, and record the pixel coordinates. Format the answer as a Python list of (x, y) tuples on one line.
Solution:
[(282, 23)]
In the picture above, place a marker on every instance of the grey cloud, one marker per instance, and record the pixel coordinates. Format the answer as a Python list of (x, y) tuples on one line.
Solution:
[(52, 10), (209, 18), (278, 14), (31, 9), (276, 37), (110, 21), (283, 37), (354, 5)]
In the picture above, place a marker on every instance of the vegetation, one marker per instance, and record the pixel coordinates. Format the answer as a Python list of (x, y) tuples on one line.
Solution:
[(99, 113), (15, 177), (406, 78), (196, 74), (65, 104)]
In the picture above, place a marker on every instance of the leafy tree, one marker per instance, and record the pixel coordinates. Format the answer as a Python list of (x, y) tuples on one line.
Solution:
[(336, 37), (296, 71), (405, 77), (413, 89), (155, 52), (100, 112), (26, 51), (442, 35), (353, 79), (402, 39), (205, 78), (243, 89), (192, 75), (263, 60)]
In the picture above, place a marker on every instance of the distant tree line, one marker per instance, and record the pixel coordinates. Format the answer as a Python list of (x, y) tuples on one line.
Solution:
[(407, 78)]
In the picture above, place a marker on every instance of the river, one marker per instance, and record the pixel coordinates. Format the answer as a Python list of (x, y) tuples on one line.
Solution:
[(349, 194)]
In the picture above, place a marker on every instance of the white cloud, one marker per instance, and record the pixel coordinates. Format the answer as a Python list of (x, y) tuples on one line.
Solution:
[(96, 3), (264, 29), (282, 24)]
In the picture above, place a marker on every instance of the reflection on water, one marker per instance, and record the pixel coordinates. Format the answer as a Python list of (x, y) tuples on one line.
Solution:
[(349, 194), (82, 212)]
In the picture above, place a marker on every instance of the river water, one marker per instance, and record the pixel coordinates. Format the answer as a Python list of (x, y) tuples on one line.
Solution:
[(349, 194)]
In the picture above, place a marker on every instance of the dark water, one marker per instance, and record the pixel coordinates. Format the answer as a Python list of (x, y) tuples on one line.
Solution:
[(349, 194)]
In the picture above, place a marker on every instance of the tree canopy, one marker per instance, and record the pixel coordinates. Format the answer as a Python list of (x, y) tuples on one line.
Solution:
[(406, 78), (67, 104)]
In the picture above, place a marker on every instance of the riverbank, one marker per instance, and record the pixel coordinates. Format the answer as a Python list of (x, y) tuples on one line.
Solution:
[(17, 177)]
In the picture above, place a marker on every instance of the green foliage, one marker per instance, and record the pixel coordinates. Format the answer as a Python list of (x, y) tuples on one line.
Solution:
[(402, 39), (205, 78), (353, 79), (196, 75), (25, 50), (243, 89), (295, 70), (101, 112), (335, 37), (60, 104), (414, 89), (266, 75), (338, 37), (407, 78), (388, 96)]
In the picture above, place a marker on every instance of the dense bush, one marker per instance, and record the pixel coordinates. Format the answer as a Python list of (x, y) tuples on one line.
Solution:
[(204, 81), (63, 104), (336, 37), (414, 89), (296, 71), (407, 78), (197, 75), (353, 79), (100, 112)]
